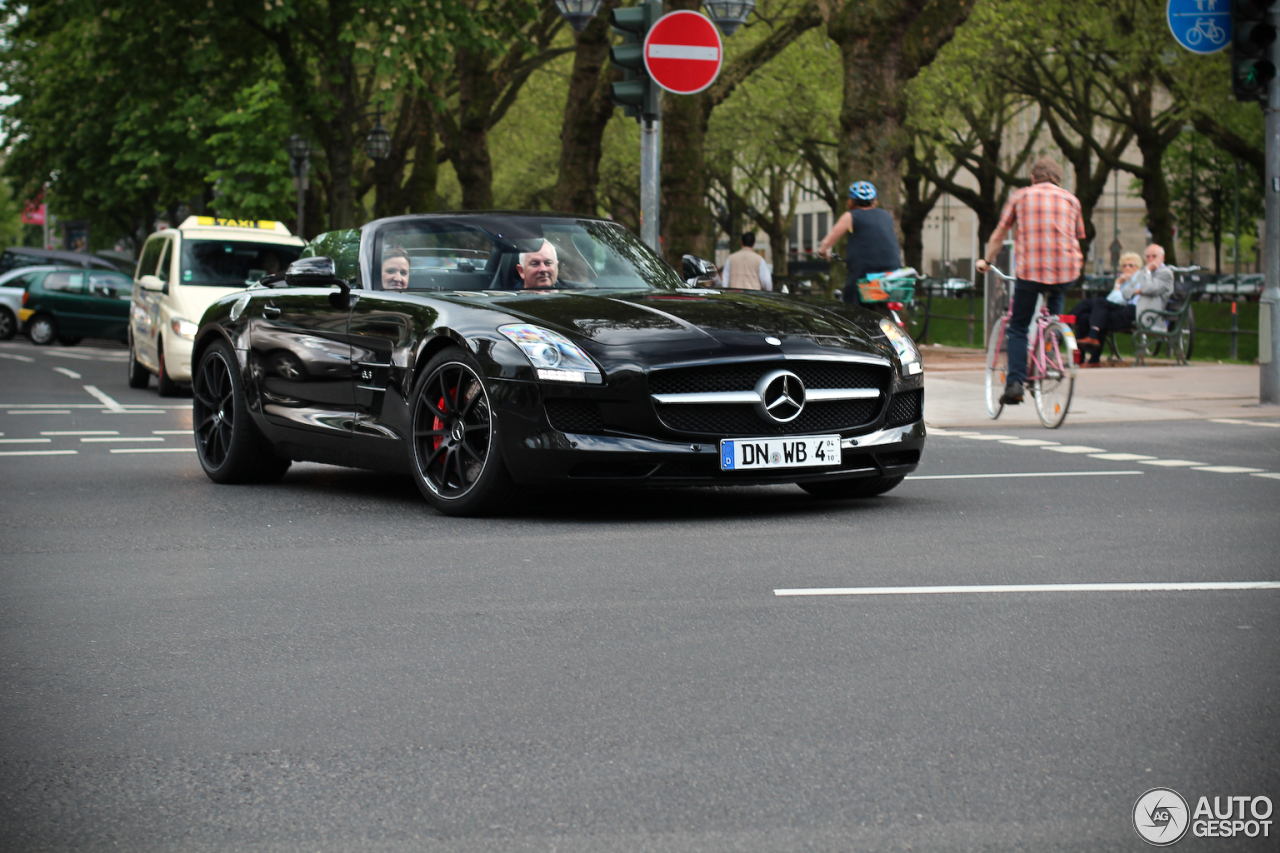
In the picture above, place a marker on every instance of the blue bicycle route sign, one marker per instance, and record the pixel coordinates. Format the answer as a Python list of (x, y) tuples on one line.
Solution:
[(1201, 26)]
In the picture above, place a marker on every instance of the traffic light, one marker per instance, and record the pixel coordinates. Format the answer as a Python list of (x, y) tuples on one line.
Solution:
[(1252, 36), (636, 92)]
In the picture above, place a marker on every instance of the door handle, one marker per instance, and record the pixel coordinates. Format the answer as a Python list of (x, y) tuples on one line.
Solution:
[(270, 312)]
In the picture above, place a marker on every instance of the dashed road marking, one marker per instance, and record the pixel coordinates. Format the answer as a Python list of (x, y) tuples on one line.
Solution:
[(1229, 469), (173, 432), (1272, 424), (106, 401), (25, 440), (1121, 457), (1172, 463), (1270, 475), (66, 372), (17, 357), (1076, 448), (153, 450), (1019, 474), (1028, 442), (81, 432), (38, 452), (75, 355), (982, 436), (123, 438), (1195, 586), (38, 412)]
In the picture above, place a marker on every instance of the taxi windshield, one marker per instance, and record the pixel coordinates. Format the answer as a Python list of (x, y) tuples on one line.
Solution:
[(232, 263), (491, 252)]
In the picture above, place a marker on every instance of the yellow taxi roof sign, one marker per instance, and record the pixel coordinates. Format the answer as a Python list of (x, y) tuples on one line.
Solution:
[(220, 222)]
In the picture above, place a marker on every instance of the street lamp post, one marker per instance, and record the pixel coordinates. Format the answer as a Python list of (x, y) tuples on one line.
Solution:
[(578, 12), (299, 148), (728, 15)]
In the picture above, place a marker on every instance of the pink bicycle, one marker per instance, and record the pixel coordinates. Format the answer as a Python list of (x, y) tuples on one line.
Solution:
[(1051, 363)]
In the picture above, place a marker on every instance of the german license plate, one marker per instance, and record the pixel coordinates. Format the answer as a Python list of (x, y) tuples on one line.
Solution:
[(738, 454)]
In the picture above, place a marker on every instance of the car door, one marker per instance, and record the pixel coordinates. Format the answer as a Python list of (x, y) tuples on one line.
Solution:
[(300, 359), (144, 313), (109, 296), (65, 295)]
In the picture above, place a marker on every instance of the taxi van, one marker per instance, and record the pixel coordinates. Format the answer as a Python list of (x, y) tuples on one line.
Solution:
[(184, 270)]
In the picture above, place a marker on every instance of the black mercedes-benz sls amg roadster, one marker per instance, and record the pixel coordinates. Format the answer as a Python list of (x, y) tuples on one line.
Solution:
[(481, 353)]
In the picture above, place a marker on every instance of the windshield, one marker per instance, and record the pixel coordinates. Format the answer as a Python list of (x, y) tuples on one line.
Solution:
[(494, 252), (233, 263)]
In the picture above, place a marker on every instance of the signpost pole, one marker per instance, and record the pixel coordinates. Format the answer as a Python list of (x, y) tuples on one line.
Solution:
[(650, 167), (1269, 313)]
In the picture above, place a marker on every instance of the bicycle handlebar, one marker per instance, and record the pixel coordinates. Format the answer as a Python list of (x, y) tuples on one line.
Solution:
[(995, 269)]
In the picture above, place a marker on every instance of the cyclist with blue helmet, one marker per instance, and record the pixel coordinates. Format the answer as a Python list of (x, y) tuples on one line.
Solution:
[(873, 240)]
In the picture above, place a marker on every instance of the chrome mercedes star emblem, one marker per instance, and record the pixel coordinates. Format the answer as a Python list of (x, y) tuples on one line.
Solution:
[(781, 396)]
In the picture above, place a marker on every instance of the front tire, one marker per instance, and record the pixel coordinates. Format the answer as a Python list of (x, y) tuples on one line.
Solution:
[(139, 376), (997, 369), (164, 383), (228, 445), (861, 487), (43, 330), (8, 324), (456, 459)]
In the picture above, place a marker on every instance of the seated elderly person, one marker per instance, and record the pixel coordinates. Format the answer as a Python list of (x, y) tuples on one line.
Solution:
[(1138, 288), (539, 270)]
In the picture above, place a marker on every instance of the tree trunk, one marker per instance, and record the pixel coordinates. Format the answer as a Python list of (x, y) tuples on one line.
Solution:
[(476, 95), (1155, 193), (586, 114)]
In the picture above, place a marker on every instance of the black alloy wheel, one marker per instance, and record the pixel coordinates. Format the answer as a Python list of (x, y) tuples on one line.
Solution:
[(229, 446), (139, 376), (457, 463), (43, 330), (8, 324), (859, 487)]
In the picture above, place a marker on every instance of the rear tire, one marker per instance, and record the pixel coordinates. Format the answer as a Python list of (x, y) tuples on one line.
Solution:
[(139, 376), (8, 324), (861, 487), (997, 369), (164, 384), (228, 444), (43, 330)]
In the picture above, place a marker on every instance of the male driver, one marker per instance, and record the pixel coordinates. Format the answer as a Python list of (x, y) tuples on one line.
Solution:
[(1046, 245), (539, 270), (746, 270)]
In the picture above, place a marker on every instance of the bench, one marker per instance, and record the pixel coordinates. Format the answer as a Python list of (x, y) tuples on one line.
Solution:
[(1179, 334)]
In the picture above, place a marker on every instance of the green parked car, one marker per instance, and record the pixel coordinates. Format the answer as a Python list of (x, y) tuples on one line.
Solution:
[(66, 305)]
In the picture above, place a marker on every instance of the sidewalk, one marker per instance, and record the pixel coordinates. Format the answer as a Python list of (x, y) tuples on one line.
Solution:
[(954, 381)]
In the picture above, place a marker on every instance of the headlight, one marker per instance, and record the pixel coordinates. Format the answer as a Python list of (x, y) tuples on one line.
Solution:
[(184, 328), (905, 347), (554, 357)]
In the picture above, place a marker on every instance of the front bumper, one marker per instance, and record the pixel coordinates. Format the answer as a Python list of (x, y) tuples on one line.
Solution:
[(538, 454)]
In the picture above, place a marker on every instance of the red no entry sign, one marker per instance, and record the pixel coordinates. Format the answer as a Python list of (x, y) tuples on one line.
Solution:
[(682, 52)]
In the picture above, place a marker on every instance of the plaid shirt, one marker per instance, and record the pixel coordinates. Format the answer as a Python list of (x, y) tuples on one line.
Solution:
[(1046, 243)]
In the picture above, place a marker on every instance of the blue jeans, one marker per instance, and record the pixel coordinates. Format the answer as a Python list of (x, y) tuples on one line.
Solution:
[(1024, 306)]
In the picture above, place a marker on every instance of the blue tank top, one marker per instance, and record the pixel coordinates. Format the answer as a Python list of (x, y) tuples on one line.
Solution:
[(872, 247)]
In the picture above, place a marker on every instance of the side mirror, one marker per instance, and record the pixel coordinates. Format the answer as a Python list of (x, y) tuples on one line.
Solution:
[(695, 266), (151, 282), (311, 272)]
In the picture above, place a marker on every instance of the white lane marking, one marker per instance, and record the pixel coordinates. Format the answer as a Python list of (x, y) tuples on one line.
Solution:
[(1272, 424), (38, 452), (1028, 442), (80, 432), (1076, 448), (135, 412), (16, 357), (1000, 476), (985, 437), (1270, 475), (106, 401), (1196, 586), (41, 412), (25, 440), (153, 450), (1228, 469), (43, 406), (122, 438), (66, 372), (1121, 457), (173, 432), (74, 355), (1171, 463)]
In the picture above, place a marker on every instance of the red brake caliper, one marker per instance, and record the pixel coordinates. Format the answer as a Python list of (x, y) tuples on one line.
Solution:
[(437, 424)]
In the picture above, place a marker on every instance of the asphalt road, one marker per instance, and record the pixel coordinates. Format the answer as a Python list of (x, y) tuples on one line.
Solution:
[(326, 664)]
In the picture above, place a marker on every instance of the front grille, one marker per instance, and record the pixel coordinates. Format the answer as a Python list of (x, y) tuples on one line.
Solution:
[(579, 416), (905, 408), (742, 418), (743, 376)]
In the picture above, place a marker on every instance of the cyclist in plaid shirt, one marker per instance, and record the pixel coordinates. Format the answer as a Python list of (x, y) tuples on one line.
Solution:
[(1046, 246)]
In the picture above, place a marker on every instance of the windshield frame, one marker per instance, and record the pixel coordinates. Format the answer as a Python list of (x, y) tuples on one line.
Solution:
[(510, 232)]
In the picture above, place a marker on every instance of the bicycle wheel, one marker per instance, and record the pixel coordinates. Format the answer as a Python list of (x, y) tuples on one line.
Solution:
[(997, 368), (1054, 387)]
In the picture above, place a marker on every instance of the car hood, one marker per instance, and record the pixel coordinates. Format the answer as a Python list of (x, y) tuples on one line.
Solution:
[(630, 318)]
